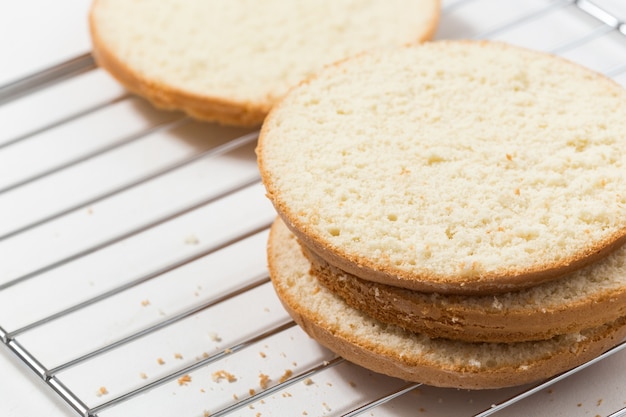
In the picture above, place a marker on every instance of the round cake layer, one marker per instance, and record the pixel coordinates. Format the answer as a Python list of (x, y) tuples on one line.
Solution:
[(412, 356), (452, 166), (583, 299), (229, 61)]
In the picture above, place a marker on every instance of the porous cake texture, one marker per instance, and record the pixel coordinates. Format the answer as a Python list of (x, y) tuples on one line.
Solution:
[(585, 298), (230, 60), (413, 356), (468, 167)]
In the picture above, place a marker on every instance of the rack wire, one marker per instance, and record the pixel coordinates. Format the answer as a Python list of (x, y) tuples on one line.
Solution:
[(133, 278)]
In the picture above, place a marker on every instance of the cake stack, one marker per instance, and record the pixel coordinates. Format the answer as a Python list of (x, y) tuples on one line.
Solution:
[(452, 213)]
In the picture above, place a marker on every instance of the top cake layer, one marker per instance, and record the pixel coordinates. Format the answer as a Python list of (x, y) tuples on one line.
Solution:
[(454, 166)]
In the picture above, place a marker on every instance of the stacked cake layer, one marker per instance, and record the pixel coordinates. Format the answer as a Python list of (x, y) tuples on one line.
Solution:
[(453, 212)]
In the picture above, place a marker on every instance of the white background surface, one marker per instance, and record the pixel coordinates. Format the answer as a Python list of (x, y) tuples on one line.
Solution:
[(37, 34)]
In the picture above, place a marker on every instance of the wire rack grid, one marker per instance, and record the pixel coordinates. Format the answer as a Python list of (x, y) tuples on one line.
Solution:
[(133, 277)]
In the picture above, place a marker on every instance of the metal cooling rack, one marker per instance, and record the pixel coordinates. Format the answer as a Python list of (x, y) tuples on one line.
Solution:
[(132, 254)]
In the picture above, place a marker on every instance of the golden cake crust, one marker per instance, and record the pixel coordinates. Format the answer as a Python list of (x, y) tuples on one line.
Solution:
[(400, 185), (411, 356)]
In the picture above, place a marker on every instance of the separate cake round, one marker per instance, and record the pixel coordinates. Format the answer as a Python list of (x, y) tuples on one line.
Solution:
[(585, 298), (452, 166), (412, 356), (229, 61)]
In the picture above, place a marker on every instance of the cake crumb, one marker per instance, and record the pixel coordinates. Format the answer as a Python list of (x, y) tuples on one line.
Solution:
[(145, 302), (215, 337), (264, 380), (475, 363), (286, 395), (579, 404), (235, 397), (184, 380), (206, 414), (286, 375), (251, 391), (191, 240), (160, 361), (352, 384), (262, 354), (102, 391), (308, 381), (599, 402), (143, 375), (228, 350), (178, 356), (422, 410), (222, 374), (326, 406)]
